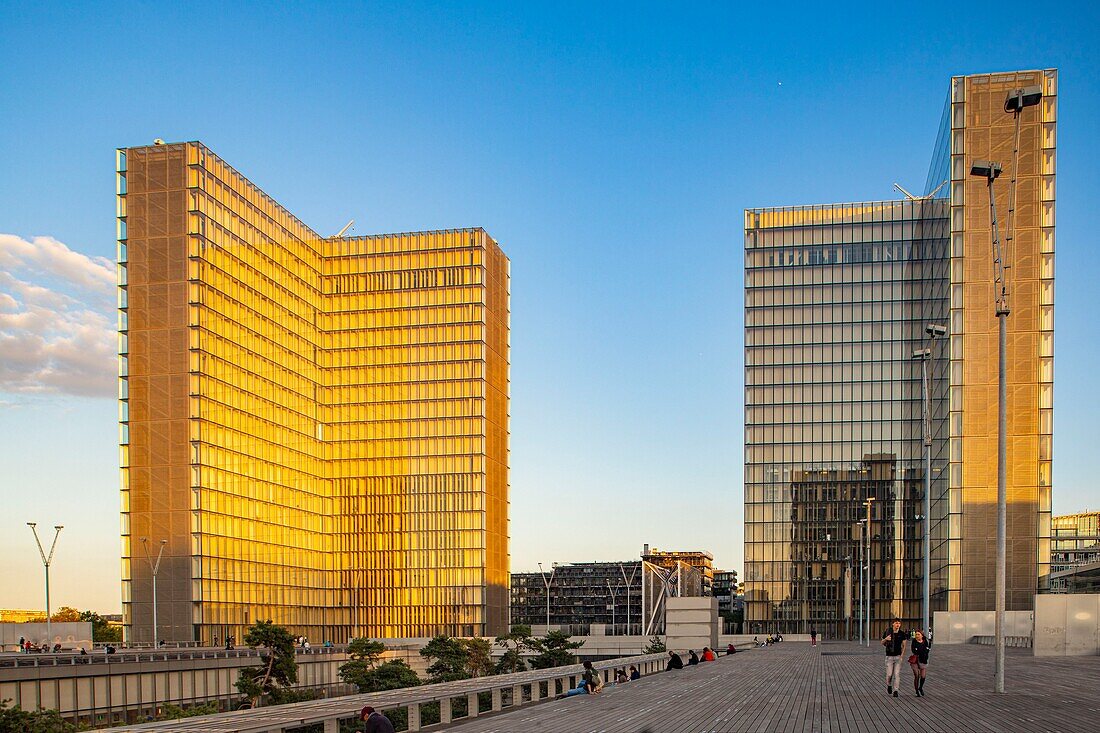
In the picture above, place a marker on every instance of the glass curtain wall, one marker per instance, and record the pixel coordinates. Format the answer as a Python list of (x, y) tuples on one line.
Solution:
[(837, 300)]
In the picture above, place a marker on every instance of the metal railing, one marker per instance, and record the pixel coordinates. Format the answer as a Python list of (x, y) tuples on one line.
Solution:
[(69, 658), (1019, 642)]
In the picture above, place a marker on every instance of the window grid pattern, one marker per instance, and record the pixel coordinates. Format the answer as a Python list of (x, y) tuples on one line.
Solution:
[(318, 426), (837, 299)]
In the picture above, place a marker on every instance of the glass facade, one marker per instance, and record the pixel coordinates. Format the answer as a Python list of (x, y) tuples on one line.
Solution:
[(318, 426), (1074, 542), (837, 300)]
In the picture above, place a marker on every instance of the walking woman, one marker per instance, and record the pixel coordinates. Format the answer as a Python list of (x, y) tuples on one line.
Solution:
[(918, 660)]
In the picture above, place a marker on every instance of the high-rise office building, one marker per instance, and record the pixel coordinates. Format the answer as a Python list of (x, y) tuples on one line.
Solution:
[(317, 426), (838, 298)]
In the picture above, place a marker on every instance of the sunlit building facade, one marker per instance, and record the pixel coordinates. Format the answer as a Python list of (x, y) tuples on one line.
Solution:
[(837, 300), (317, 426)]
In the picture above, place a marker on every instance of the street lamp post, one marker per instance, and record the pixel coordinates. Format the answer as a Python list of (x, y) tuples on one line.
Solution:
[(627, 583), (862, 595), (553, 569), (848, 598), (933, 330), (611, 593), (154, 567), (1015, 103), (46, 560), (868, 503)]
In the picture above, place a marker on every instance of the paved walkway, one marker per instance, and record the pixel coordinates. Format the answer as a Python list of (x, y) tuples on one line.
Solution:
[(834, 688)]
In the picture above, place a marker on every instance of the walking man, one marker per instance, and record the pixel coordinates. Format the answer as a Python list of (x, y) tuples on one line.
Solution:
[(894, 642), (813, 636)]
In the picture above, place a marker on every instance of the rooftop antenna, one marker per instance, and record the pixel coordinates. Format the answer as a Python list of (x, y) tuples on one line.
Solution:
[(342, 231), (911, 197)]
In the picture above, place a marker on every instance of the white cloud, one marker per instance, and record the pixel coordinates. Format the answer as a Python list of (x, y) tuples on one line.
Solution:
[(57, 319)]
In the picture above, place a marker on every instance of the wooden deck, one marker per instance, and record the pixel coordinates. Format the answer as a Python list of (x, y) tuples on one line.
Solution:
[(835, 688)]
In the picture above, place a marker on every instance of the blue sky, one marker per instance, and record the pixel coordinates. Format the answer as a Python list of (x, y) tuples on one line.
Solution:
[(609, 147)]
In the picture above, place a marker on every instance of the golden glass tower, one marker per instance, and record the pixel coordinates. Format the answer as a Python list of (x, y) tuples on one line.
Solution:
[(318, 426), (837, 301)]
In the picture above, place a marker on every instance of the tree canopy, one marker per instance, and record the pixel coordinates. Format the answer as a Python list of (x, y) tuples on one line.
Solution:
[(515, 643), (364, 671), (17, 720), (277, 668), (101, 628), (448, 657), (457, 659), (554, 650)]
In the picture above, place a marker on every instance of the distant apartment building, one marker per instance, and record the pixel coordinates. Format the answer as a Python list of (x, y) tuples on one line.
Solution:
[(20, 616), (315, 426), (838, 298), (580, 594), (725, 590), (699, 560)]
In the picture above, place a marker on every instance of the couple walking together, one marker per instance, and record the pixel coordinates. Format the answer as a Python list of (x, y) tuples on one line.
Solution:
[(919, 645)]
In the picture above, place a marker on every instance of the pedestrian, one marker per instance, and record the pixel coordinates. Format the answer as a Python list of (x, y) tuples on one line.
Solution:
[(730, 649), (376, 721), (918, 660), (620, 676), (674, 661), (215, 639), (894, 643), (634, 673), (22, 643), (693, 658), (708, 655), (813, 636), (593, 683)]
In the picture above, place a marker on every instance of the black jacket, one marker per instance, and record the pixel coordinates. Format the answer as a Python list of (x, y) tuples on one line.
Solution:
[(894, 643), (920, 648), (674, 661), (378, 723)]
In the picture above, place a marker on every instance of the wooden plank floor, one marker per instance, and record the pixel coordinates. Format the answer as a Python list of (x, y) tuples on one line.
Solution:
[(834, 688)]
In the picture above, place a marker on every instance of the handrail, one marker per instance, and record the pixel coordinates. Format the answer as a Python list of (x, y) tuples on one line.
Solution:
[(330, 711), (66, 658)]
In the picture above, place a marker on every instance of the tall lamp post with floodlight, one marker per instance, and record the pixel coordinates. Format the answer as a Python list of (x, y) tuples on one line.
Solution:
[(933, 330), (153, 568), (46, 560), (1015, 103), (547, 582)]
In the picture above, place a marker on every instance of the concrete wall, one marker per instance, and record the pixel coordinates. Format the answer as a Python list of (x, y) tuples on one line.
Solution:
[(131, 690), (1067, 625), (959, 627), (691, 623), (70, 635)]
